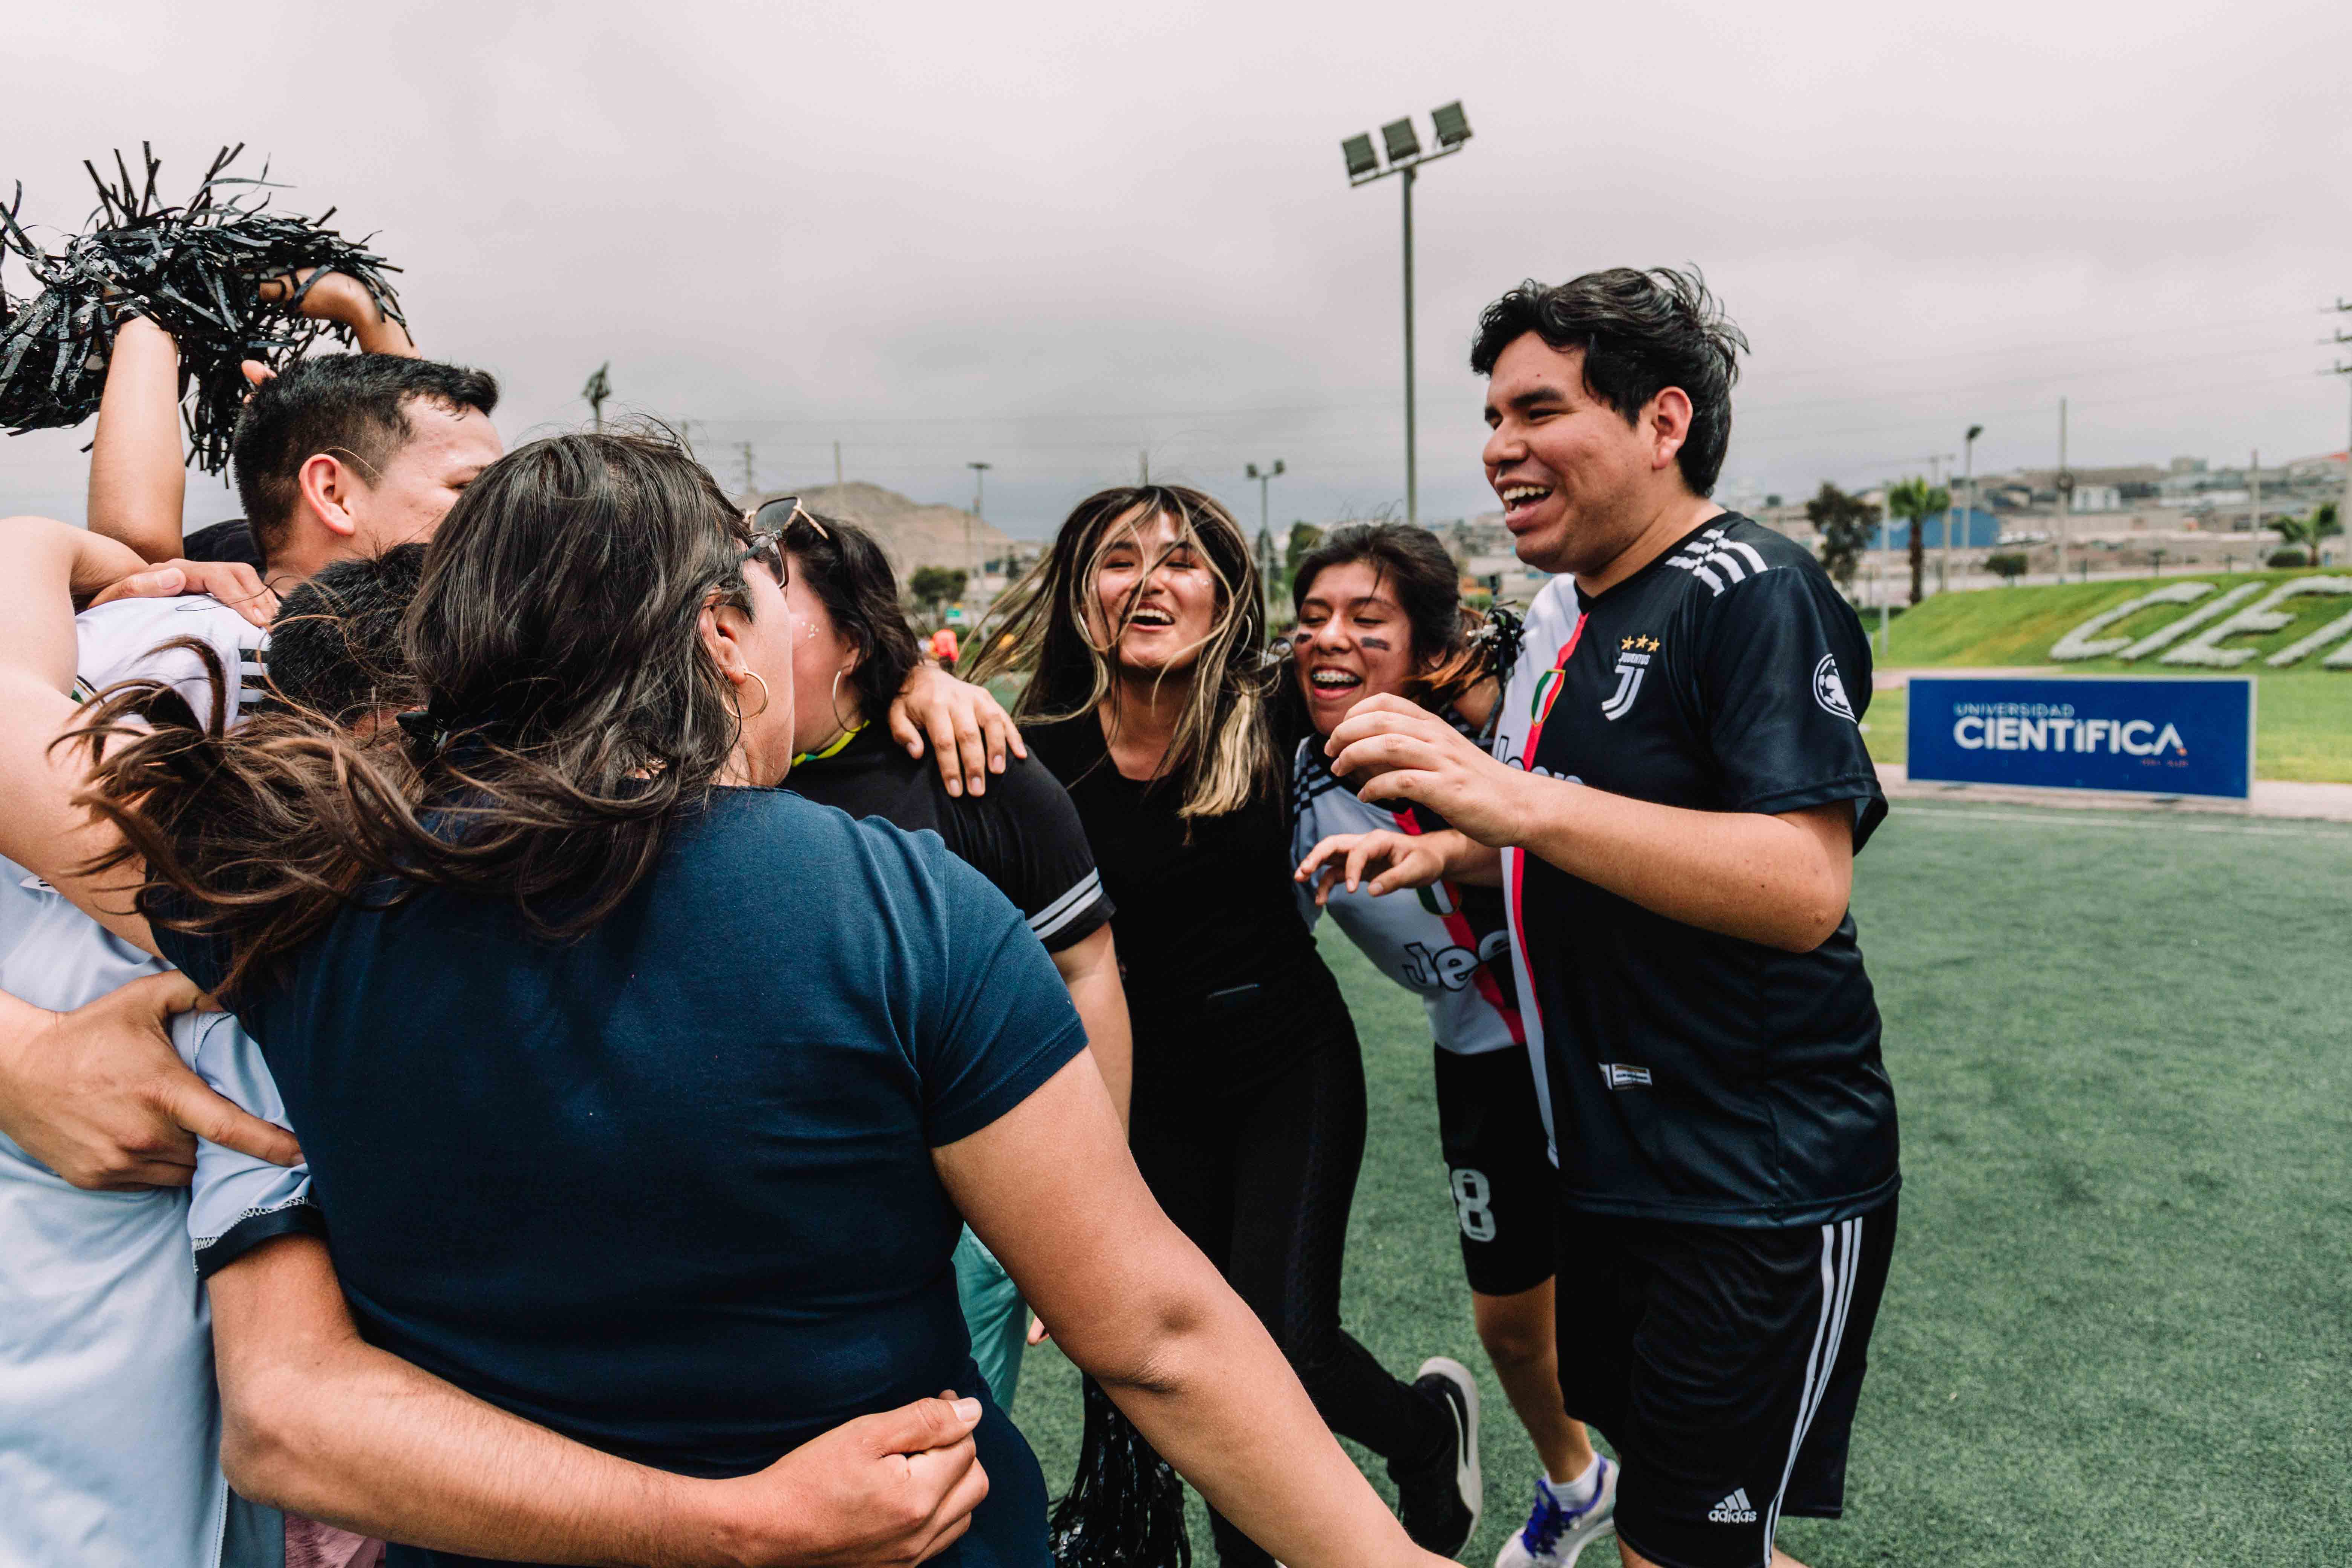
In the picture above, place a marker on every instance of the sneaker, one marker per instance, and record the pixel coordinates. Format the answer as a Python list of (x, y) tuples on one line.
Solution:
[(1555, 1533), (1439, 1506)]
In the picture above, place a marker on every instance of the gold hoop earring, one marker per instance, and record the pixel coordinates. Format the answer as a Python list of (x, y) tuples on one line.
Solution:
[(752, 675)]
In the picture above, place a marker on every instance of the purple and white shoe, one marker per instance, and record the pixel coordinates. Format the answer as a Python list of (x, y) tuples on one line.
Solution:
[(1557, 1532)]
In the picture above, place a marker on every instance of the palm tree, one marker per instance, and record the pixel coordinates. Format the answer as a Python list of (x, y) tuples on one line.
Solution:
[(2307, 531), (1917, 500)]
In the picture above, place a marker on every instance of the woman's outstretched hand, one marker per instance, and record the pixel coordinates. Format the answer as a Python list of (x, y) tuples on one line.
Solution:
[(1393, 860), (968, 729)]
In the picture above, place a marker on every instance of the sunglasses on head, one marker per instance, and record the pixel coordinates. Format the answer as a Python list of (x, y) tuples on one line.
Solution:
[(768, 522)]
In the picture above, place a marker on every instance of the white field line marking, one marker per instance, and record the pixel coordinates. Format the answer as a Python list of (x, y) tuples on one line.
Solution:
[(2063, 819)]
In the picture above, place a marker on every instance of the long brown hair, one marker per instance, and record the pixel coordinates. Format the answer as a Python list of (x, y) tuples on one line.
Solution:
[(572, 717), (1041, 627)]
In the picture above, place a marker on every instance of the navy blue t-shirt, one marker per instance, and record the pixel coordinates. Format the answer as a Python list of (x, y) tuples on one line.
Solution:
[(668, 1189)]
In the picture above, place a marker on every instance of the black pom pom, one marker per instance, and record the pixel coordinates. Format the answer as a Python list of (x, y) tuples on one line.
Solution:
[(1125, 1507), (193, 269)]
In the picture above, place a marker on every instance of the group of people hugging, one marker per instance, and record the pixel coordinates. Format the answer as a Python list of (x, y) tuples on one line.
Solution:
[(635, 1050)]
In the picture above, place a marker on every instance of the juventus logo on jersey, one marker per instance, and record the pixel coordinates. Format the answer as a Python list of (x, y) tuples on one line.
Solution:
[(1632, 663)]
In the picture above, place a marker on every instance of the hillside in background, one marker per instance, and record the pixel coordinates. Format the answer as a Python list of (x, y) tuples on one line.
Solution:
[(2019, 625), (911, 533)]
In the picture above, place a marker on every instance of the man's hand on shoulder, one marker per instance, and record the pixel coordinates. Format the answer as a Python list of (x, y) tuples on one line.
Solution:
[(100, 1096), (1397, 750), (233, 583), (968, 729)]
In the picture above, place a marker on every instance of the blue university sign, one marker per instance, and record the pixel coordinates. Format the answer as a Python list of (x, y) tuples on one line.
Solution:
[(2147, 735)]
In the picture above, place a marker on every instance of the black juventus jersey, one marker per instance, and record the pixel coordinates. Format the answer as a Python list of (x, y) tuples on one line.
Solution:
[(1691, 1076)]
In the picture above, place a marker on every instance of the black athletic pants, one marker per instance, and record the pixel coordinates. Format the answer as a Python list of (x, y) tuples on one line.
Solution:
[(1263, 1184)]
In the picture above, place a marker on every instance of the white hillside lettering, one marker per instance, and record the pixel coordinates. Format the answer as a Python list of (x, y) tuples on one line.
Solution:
[(2165, 636), (2205, 649), (2082, 642)]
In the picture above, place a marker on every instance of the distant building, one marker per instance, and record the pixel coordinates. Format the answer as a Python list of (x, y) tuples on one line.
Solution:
[(1972, 529)]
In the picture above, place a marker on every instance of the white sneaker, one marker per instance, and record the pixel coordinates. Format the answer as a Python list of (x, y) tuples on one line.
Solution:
[(1555, 1533)]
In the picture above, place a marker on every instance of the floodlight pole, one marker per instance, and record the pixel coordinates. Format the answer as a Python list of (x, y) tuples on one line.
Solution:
[(1411, 447), (1969, 483), (2066, 487), (1264, 477), (599, 387), (1405, 159), (979, 494)]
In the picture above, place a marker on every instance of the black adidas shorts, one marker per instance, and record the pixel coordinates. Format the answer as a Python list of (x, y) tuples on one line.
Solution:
[(1505, 1193), (1724, 1365)]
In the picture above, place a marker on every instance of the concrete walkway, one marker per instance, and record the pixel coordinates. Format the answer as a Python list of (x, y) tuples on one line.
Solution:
[(2273, 798)]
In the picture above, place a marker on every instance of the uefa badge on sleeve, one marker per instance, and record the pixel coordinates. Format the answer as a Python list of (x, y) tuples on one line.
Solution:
[(1829, 690)]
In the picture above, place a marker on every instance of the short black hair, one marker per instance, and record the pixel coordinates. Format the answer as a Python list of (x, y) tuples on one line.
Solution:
[(334, 644), (846, 568), (357, 404), (1642, 332)]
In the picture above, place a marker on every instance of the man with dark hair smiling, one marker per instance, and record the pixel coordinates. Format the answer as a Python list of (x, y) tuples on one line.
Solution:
[(1679, 791)]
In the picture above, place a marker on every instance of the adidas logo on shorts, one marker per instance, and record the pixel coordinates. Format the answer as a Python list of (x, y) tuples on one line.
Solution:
[(1733, 1509)]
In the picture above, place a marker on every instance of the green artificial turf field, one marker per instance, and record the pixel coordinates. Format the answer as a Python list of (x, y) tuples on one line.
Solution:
[(2119, 1328)]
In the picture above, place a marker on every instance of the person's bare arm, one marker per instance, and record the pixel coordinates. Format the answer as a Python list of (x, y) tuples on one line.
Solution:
[(138, 479), (98, 1094), (1089, 968), (318, 1421), (43, 564), (343, 299), (1783, 879), (1051, 1189)]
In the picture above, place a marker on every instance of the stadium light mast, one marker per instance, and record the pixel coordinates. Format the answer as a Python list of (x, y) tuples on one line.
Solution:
[(2066, 487), (2344, 507), (979, 493), (1405, 157), (599, 387), (1968, 482), (1265, 478)]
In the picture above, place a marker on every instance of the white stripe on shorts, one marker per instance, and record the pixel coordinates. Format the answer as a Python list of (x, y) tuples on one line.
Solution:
[(1841, 1261)]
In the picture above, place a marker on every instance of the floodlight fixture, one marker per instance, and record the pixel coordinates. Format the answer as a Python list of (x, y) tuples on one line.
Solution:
[(1405, 157)]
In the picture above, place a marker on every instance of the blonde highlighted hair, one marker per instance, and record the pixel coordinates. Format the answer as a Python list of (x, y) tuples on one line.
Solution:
[(1041, 627)]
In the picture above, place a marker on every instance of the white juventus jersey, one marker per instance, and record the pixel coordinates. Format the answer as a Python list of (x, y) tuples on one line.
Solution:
[(109, 1420), (1426, 940), (1551, 623)]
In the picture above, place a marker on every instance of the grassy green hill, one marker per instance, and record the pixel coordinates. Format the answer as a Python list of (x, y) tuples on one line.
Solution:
[(2303, 714)]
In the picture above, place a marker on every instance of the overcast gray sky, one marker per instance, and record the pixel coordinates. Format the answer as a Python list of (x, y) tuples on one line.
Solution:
[(1049, 236)]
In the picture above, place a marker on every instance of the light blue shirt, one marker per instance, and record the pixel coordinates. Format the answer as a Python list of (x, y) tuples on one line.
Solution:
[(109, 1419)]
